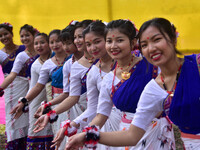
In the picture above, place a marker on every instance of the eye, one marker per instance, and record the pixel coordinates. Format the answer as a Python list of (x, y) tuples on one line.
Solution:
[(157, 39), (120, 40), (97, 42), (88, 44), (143, 46), (108, 41)]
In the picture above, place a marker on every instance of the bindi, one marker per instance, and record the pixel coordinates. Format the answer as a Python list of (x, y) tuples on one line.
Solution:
[(113, 35), (147, 38)]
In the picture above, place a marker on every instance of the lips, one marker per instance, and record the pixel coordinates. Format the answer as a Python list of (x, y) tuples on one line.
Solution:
[(95, 53), (156, 56), (115, 52)]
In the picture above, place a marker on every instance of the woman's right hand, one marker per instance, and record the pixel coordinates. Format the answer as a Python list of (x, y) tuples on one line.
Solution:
[(76, 141), (39, 111), (41, 123), (59, 138)]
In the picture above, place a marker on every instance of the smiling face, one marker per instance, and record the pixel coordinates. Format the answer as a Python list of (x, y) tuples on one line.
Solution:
[(55, 44), (95, 45), (5, 36), (78, 39), (118, 44), (157, 48), (26, 37), (41, 45), (69, 47)]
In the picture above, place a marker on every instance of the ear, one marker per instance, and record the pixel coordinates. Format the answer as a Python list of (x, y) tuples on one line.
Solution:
[(133, 43)]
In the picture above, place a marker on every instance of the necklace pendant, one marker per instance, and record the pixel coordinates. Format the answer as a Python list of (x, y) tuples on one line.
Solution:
[(171, 95), (90, 61), (125, 75)]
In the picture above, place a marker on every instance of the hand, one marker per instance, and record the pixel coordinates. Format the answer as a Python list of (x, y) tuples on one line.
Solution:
[(76, 141), (17, 110), (59, 138), (41, 123), (39, 111)]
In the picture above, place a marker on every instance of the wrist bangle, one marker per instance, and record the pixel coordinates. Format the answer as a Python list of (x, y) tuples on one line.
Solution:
[(1, 91), (70, 130), (43, 102), (47, 108), (23, 100), (52, 116), (92, 136)]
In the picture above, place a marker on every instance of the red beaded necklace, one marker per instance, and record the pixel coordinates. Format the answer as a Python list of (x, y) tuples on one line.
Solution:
[(60, 64), (90, 60), (171, 93)]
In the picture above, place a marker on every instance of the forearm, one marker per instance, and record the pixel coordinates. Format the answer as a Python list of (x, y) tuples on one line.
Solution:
[(122, 138), (59, 99), (99, 120), (66, 104), (8, 80), (35, 91)]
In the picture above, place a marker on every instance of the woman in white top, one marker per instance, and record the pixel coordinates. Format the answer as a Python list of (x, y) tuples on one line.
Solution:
[(17, 129), (43, 139), (175, 92)]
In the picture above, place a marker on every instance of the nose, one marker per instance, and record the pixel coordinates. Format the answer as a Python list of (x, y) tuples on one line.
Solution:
[(93, 47), (113, 44), (151, 47)]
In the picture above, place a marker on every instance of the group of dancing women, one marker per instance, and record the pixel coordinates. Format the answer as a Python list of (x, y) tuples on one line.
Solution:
[(104, 86)]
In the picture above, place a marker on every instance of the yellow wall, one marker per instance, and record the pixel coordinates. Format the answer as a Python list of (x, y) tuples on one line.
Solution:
[(47, 15)]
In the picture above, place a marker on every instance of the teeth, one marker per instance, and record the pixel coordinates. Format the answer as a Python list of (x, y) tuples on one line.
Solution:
[(154, 56)]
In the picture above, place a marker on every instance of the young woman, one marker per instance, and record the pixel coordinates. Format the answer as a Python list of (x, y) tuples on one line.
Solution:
[(17, 130), (175, 91), (95, 43), (43, 139)]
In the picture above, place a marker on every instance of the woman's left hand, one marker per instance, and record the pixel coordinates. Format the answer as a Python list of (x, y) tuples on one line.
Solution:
[(17, 110)]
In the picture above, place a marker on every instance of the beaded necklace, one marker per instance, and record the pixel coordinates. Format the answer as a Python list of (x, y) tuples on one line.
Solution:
[(90, 60), (60, 64), (111, 66), (171, 93), (46, 59)]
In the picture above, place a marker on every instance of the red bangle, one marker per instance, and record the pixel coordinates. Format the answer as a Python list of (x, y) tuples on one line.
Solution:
[(52, 116), (70, 130), (92, 136)]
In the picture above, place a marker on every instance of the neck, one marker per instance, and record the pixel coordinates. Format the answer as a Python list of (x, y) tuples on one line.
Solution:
[(123, 62), (30, 49), (46, 56), (105, 58), (87, 55), (10, 47), (61, 54), (78, 55), (168, 70)]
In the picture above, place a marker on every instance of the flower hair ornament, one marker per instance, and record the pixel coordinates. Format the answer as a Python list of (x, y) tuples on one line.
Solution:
[(73, 22), (8, 24)]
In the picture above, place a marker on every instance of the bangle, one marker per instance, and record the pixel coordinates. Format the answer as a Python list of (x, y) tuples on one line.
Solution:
[(92, 136), (52, 116), (1, 91), (25, 108), (23, 100), (47, 108), (70, 130), (43, 102)]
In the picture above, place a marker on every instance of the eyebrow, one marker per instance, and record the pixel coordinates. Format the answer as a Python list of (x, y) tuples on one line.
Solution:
[(151, 37)]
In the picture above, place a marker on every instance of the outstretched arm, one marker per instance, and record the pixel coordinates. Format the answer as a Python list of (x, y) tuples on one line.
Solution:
[(8, 80)]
